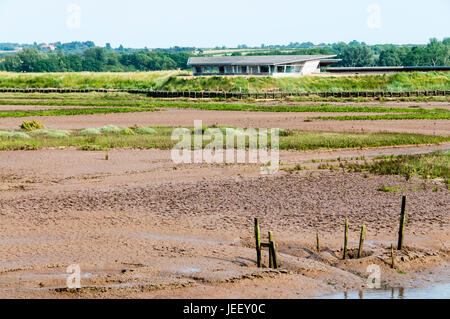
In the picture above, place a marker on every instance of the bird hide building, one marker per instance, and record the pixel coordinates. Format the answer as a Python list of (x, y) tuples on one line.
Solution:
[(266, 65)]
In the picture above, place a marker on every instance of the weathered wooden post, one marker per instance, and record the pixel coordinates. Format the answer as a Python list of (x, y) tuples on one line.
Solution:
[(346, 239), (106, 154), (317, 242), (258, 243), (270, 250), (392, 256), (361, 241), (273, 263), (402, 224)]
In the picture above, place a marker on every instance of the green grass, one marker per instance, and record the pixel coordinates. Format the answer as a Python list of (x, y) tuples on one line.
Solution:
[(300, 108), (168, 80), (119, 101), (315, 140), (122, 96), (433, 165), (436, 114), (160, 137), (79, 111), (388, 189)]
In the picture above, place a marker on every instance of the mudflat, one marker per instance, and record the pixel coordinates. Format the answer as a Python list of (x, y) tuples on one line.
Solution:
[(140, 226)]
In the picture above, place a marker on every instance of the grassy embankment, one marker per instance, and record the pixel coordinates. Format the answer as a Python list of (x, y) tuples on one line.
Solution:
[(160, 137), (167, 80)]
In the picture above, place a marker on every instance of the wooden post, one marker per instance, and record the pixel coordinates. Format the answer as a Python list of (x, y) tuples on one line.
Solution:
[(402, 224), (346, 239), (392, 256), (273, 262), (317, 242), (270, 250), (258, 243), (106, 154), (361, 241)]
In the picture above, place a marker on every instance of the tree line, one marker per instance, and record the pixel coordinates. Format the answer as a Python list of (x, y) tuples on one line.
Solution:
[(94, 60), (106, 59), (356, 54)]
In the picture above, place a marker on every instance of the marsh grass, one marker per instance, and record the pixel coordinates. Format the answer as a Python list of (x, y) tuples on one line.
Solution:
[(113, 96), (171, 80), (435, 114), (160, 138), (77, 111), (94, 103), (432, 165)]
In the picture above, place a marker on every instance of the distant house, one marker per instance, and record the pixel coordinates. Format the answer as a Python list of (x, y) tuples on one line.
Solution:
[(268, 65), (49, 47)]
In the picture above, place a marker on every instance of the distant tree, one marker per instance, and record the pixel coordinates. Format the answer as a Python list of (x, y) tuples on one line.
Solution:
[(94, 59), (339, 47), (73, 63), (12, 63), (390, 57), (47, 65), (416, 57), (28, 59), (356, 56), (437, 52)]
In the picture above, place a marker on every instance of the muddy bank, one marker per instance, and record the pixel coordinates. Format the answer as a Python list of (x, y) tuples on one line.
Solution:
[(283, 120), (193, 238)]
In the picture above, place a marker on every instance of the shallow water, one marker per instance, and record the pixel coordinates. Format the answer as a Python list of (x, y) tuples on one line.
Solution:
[(437, 291)]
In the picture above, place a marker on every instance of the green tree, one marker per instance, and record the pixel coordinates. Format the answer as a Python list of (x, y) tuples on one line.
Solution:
[(437, 53), (29, 58), (356, 55), (390, 57), (73, 63), (416, 57), (12, 63), (94, 59)]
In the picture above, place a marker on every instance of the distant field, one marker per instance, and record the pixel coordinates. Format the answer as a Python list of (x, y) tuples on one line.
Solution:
[(175, 80)]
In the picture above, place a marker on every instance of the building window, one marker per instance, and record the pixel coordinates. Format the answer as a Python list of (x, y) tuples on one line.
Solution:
[(243, 69), (198, 69), (280, 69), (221, 69), (264, 69), (288, 69)]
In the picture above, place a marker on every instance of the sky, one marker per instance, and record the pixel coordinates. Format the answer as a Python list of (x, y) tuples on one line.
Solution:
[(211, 23)]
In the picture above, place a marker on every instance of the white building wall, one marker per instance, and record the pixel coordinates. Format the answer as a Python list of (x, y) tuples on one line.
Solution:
[(310, 67)]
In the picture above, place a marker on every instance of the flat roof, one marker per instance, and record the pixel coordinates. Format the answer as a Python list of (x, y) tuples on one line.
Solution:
[(255, 59)]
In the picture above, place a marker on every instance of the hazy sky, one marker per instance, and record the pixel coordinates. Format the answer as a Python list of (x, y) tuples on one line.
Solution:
[(209, 23)]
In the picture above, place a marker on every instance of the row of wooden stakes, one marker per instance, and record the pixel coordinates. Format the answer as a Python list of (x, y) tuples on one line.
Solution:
[(273, 263)]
